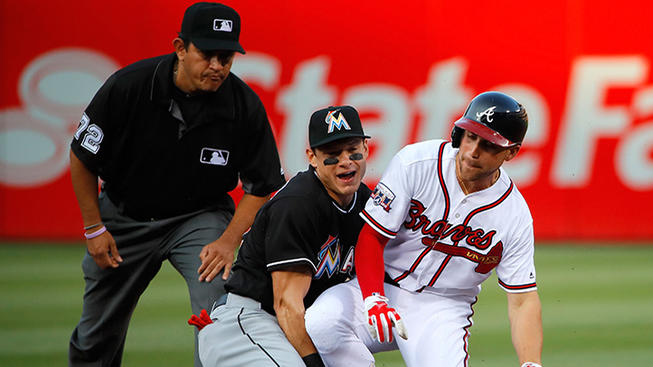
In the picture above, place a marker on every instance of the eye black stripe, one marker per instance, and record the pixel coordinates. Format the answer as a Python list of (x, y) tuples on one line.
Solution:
[(334, 160)]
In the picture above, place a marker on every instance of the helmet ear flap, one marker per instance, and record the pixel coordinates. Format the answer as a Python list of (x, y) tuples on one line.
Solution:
[(456, 136)]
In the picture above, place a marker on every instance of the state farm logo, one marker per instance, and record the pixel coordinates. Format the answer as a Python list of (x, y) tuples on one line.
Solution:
[(54, 89)]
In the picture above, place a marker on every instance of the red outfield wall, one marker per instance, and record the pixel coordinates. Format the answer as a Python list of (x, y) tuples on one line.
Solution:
[(582, 68)]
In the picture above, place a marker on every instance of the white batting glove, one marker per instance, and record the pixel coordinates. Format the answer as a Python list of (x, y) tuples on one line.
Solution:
[(531, 364), (381, 318)]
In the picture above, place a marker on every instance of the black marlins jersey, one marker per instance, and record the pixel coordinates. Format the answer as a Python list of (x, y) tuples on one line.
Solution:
[(301, 225)]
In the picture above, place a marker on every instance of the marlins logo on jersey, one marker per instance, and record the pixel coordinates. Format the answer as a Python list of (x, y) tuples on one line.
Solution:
[(329, 257), (336, 121)]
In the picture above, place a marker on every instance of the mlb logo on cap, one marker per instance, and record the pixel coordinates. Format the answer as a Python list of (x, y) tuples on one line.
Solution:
[(222, 25), (334, 123)]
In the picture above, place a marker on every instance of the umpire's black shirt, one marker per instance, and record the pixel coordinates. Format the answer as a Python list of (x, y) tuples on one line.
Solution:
[(300, 225), (162, 153)]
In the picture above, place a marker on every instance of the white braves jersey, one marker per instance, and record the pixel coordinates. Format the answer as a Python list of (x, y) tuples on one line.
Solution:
[(442, 238)]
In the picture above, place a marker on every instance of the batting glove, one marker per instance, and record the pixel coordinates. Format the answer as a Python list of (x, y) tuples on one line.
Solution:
[(200, 322), (531, 364), (381, 318)]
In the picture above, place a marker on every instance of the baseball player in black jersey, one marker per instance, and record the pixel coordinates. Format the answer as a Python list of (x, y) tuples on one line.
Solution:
[(301, 243), (169, 136)]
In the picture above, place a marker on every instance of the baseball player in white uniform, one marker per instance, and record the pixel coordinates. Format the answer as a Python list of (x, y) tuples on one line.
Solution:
[(442, 217)]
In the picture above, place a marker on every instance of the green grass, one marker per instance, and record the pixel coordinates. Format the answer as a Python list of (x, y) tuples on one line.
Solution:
[(597, 304)]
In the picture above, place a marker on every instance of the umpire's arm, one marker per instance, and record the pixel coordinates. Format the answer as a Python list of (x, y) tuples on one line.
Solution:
[(290, 288), (525, 314), (219, 254), (85, 184)]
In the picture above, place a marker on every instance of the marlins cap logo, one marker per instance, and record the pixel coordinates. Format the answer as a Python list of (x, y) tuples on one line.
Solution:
[(487, 113), (336, 122)]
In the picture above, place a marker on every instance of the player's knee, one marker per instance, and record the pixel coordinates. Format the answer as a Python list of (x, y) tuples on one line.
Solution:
[(323, 329)]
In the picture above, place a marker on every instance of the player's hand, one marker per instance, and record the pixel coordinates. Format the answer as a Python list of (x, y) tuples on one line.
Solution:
[(104, 251), (381, 318), (201, 321), (215, 256)]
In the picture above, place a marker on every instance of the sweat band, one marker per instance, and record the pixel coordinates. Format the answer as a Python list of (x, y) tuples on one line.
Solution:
[(96, 233)]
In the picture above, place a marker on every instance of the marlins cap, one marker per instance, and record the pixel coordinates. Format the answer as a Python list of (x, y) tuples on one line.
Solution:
[(334, 123), (212, 26)]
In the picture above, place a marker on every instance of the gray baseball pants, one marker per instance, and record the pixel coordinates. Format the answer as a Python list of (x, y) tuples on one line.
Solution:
[(242, 334), (111, 295)]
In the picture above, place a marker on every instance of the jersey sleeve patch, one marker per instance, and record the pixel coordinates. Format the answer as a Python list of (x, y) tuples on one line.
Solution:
[(518, 288), (382, 196)]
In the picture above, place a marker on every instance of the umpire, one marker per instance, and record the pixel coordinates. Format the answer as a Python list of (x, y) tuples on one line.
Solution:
[(169, 136), (300, 244)]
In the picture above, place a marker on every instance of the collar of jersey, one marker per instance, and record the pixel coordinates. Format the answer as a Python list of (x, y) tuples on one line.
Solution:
[(161, 89), (351, 206)]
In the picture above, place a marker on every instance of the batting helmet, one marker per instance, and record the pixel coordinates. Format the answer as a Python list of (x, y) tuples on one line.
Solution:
[(494, 116)]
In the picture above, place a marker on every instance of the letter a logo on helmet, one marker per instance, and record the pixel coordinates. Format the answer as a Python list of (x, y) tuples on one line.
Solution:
[(487, 113), (336, 122), (495, 117)]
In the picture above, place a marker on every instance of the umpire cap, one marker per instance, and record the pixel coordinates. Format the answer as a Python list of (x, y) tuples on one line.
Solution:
[(334, 123), (212, 26)]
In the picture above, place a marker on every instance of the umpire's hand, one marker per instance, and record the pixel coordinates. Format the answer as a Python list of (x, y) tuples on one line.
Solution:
[(104, 251), (215, 256)]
